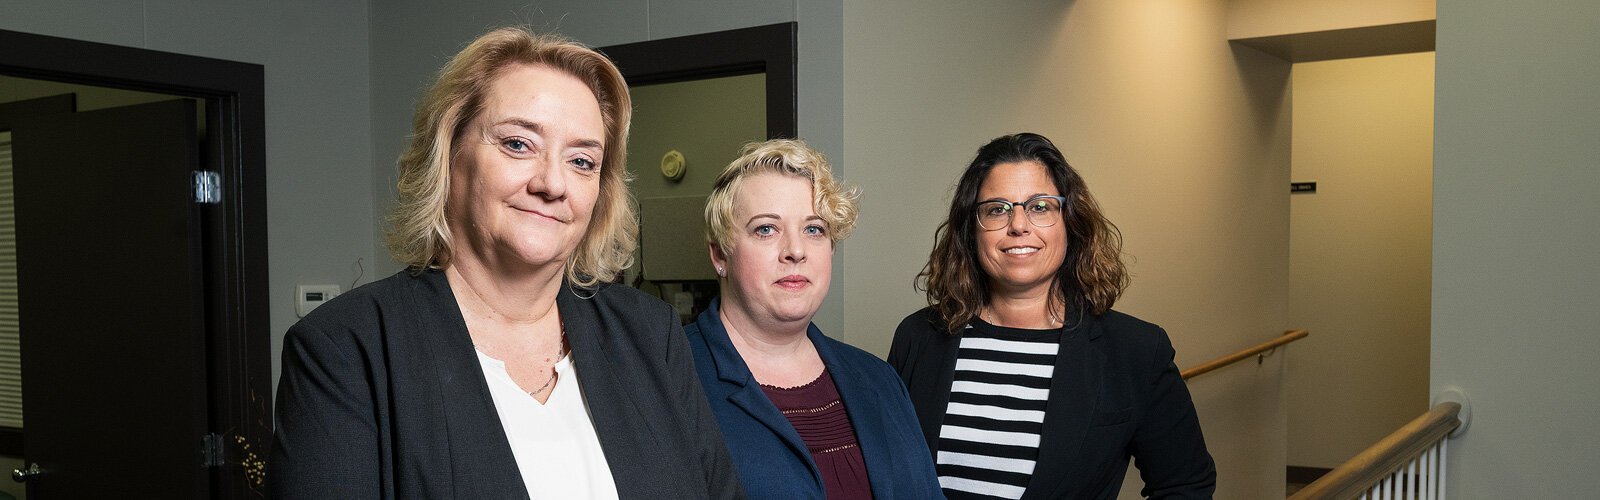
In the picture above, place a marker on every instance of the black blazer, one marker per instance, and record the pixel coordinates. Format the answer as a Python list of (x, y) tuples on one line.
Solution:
[(382, 396), (1115, 394)]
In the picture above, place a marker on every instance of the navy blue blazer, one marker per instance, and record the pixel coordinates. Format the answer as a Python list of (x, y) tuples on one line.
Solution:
[(771, 459)]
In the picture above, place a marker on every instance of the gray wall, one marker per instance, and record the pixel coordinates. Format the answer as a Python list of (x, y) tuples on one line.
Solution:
[(1516, 277), (318, 116), (411, 39)]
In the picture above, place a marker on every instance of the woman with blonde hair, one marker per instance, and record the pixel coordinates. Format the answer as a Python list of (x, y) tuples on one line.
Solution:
[(1027, 383), (805, 416), (500, 364)]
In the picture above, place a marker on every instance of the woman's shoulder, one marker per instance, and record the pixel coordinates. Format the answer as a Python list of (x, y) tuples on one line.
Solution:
[(362, 307), (849, 353), (1131, 333), (862, 361), (622, 302), (623, 319), (925, 320), (1124, 322)]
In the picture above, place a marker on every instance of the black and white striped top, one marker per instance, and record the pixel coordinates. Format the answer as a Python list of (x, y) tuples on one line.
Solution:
[(990, 437)]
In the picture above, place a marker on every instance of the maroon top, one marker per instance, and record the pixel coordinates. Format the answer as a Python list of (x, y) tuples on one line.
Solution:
[(816, 411)]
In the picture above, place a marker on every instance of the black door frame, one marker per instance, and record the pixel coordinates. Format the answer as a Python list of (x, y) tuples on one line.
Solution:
[(236, 300), (769, 49)]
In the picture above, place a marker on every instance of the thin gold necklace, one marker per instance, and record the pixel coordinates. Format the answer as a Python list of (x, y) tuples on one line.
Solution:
[(560, 354)]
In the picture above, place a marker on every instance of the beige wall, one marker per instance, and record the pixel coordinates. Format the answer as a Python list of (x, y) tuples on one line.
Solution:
[(1181, 137), (1254, 18), (1359, 252), (1516, 235)]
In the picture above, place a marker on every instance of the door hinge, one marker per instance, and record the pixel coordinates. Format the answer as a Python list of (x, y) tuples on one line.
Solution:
[(207, 187), (211, 449)]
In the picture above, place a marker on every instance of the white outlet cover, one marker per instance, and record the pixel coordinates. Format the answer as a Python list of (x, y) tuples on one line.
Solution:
[(308, 297)]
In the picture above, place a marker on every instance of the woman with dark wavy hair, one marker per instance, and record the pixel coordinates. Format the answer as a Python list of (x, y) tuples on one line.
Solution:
[(1026, 383)]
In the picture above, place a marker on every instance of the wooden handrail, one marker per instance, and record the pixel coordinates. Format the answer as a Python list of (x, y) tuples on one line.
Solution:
[(1355, 476), (1287, 337)]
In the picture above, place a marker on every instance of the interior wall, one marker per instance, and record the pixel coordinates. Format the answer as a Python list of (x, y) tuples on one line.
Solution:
[(411, 39), (1182, 138), (707, 121), (1516, 232), (1256, 18), (1359, 252), (318, 115)]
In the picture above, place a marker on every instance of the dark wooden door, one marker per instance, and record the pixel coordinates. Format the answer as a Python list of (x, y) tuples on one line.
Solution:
[(111, 303)]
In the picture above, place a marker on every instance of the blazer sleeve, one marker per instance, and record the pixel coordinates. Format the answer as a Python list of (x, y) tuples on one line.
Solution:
[(325, 444), (912, 329), (722, 481), (897, 350), (1168, 447)]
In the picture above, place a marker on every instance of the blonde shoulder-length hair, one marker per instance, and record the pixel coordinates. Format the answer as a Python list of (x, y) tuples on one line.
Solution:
[(419, 235), (834, 203)]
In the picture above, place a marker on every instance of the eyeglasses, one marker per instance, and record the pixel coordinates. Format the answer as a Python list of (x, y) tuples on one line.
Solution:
[(1042, 210)]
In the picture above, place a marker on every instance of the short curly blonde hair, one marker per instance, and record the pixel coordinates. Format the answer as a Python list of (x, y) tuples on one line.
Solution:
[(419, 235), (834, 202)]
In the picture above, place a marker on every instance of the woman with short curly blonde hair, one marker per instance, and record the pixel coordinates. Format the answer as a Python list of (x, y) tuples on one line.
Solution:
[(835, 204), (502, 363), (772, 221)]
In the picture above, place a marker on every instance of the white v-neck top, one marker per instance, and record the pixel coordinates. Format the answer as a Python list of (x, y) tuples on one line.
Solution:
[(555, 444)]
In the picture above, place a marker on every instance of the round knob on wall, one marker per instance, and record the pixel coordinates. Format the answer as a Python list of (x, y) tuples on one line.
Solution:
[(673, 165)]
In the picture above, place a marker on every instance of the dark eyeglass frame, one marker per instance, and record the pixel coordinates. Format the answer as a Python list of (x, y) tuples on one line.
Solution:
[(1011, 211)]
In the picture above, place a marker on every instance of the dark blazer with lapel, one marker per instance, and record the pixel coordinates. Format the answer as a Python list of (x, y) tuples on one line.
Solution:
[(381, 396), (1115, 394), (772, 460)]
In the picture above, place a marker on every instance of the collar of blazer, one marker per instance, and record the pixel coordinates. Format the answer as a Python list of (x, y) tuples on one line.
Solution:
[(863, 399)]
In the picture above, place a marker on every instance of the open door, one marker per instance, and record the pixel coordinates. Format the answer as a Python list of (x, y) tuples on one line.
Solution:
[(111, 303)]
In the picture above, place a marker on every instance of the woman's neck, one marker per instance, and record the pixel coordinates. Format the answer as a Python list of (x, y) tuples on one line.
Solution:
[(778, 353), (1031, 309), (504, 296)]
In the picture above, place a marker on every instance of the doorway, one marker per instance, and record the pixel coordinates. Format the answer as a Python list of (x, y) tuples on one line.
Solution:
[(141, 276), (697, 99), (1359, 253)]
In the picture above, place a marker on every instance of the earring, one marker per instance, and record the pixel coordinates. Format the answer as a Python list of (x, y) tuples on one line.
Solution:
[(721, 273)]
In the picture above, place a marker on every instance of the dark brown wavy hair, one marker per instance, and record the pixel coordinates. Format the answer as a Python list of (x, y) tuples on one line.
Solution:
[(1090, 279)]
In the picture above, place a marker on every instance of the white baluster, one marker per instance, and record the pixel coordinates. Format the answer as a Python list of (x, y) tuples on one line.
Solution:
[(1444, 466), (1427, 474)]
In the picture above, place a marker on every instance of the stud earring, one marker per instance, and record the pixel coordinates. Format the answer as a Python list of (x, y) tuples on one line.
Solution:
[(721, 272)]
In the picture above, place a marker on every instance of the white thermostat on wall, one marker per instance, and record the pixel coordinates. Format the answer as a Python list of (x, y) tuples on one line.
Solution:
[(308, 297)]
